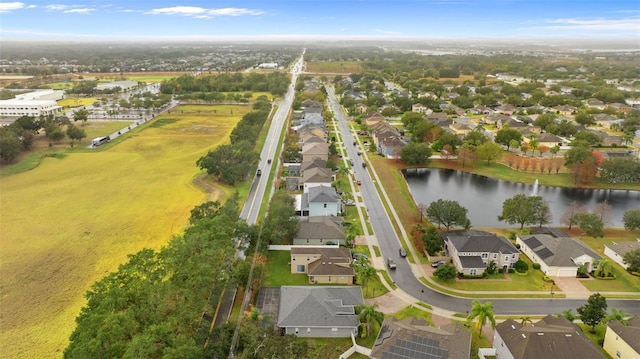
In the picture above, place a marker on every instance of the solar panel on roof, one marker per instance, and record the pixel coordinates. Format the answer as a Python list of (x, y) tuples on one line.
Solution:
[(532, 242), (544, 253)]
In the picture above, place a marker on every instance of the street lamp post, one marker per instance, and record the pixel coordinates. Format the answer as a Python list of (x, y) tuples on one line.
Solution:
[(552, 284)]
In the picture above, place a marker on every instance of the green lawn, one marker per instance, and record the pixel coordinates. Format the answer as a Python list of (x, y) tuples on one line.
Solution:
[(374, 288), (362, 248), (411, 311), (624, 282), (278, 271), (327, 347)]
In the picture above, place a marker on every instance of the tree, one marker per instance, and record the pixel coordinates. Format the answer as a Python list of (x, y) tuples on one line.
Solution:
[(621, 170), (75, 133), (582, 162), (489, 151), (466, 155), (525, 320), (554, 150), (619, 315), (632, 260), (524, 209), (448, 213), (568, 315), (603, 210), (445, 272), (368, 314), (415, 153), (482, 312), (505, 135), (594, 311), (603, 269), (53, 132), (81, 115), (569, 216), (590, 223), (542, 212), (631, 219), (9, 146), (281, 224)]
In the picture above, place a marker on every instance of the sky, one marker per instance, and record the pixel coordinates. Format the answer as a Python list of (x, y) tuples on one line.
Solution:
[(164, 20)]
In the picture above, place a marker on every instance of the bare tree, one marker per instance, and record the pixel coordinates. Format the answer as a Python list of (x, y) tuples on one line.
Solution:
[(603, 210), (569, 216), (422, 209)]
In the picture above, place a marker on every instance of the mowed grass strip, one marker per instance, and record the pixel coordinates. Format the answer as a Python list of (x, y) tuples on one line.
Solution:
[(71, 221)]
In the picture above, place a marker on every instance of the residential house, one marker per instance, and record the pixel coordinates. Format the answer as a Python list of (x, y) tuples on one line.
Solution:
[(459, 128), (436, 116), (550, 337), (497, 119), (557, 256), (293, 168), (414, 338), (621, 107), (617, 250), (544, 139), (320, 230), (361, 108), (314, 163), (605, 120), (323, 264), (373, 118), (506, 109), (319, 312), (565, 110), (623, 341), (315, 150), (480, 110), (310, 137), (313, 118), (420, 108), (293, 183), (317, 176), (595, 103), (391, 146), (318, 201), (471, 251), (608, 140)]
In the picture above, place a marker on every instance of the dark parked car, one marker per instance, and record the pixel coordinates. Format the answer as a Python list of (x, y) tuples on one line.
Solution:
[(359, 255), (403, 253), (391, 263), (438, 264)]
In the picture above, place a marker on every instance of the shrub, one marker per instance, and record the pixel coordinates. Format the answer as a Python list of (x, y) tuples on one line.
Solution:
[(521, 266), (511, 270), (547, 279), (536, 265)]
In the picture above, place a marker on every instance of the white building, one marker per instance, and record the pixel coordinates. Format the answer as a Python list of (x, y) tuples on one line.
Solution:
[(41, 95), (35, 108), (124, 85)]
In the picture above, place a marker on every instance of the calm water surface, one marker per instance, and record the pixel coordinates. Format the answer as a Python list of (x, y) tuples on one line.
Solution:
[(483, 196)]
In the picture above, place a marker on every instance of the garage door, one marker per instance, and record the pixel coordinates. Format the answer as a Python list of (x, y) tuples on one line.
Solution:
[(567, 272)]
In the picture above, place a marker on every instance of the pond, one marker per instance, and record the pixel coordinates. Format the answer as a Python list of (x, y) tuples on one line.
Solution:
[(483, 196)]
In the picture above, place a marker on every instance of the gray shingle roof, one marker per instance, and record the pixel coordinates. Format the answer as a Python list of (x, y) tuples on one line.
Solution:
[(471, 262), (558, 252), (323, 194), (551, 337), (623, 247), (414, 338), (320, 227), (306, 306), (479, 241)]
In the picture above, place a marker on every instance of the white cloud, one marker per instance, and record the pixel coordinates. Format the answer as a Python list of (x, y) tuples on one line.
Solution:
[(595, 24), (10, 6), (56, 7), (386, 32), (84, 10), (203, 13)]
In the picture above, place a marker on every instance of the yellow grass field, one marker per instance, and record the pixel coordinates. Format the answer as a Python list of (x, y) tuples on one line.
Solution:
[(76, 102), (71, 221), (346, 67)]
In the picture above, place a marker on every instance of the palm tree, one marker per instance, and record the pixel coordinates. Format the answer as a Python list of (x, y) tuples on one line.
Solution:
[(618, 315), (568, 315), (525, 320), (367, 273), (482, 312), (603, 269), (368, 314)]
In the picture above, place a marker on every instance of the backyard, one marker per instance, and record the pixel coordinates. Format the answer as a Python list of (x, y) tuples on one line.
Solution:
[(87, 211)]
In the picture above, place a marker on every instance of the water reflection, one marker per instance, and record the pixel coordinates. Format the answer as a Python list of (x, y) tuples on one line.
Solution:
[(483, 196)]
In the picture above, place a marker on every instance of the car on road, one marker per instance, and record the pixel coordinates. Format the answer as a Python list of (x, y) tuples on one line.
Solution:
[(359, 153), (259, 172), (391, 263), (364, 165), (438, 264), (402, 252), (359, 182), (351, 162)]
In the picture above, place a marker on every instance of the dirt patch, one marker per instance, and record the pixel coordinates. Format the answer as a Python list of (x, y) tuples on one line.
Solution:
[(208, 186)]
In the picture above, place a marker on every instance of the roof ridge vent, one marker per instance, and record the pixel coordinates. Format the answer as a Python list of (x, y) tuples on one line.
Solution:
[(524, 336)]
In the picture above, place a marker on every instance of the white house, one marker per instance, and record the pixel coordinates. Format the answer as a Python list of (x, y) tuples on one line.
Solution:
[(557, 256), (617, 250)]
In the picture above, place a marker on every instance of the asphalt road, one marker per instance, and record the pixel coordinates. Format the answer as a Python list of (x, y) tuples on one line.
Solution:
[(404, 277), (251, 208)]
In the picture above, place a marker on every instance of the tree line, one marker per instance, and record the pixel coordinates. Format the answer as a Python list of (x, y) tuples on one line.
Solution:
[(276, 83), (233, 162)]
